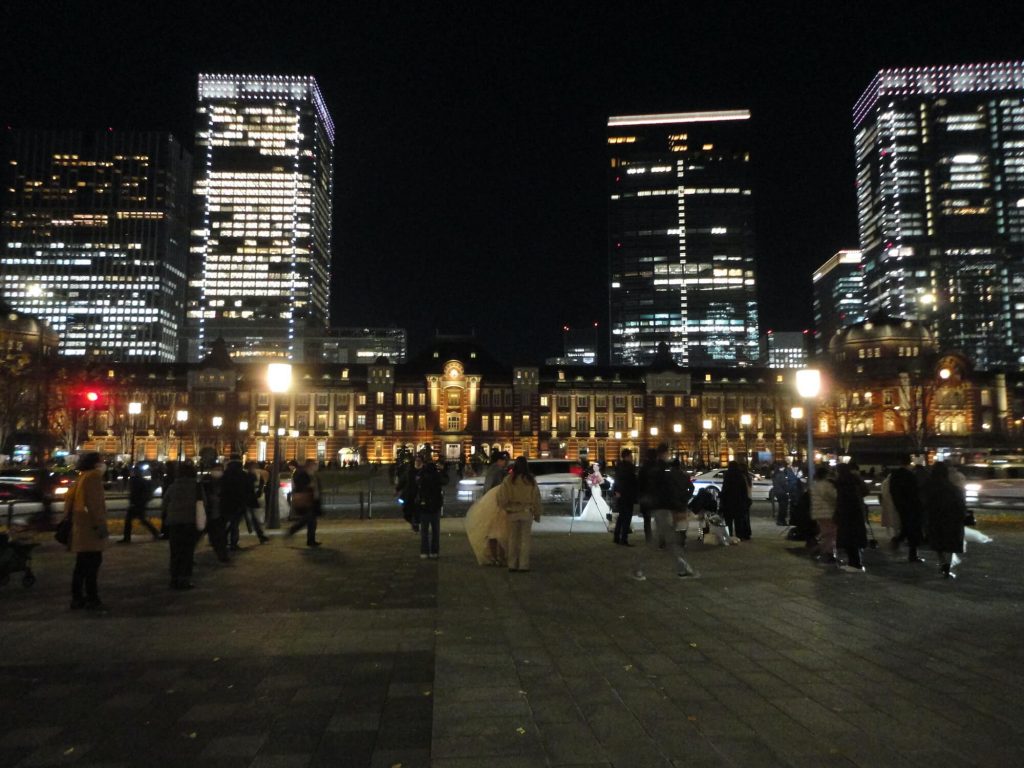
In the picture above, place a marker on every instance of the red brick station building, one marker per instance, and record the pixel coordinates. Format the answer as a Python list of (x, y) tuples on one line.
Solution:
[(886, 389)]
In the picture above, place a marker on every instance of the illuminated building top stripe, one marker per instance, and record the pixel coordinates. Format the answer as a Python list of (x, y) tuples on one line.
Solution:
[(680, 117)]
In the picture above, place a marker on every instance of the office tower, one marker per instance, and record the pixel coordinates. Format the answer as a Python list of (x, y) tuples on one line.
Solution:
[(95, 238), (579, 346), (784, 349), (261, 254), (354, 345), (681, 240), (838, 295), (940, 195)]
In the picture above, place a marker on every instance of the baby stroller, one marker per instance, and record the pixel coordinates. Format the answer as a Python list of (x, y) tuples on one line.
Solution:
[(705, 507), (16, 556)]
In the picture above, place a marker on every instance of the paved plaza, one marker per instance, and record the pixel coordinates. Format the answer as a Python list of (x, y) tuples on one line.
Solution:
[(361, 654)]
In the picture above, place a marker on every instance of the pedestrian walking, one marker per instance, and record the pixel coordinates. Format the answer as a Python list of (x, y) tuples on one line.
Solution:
[(236, 493), (140, 491), (735, 500), (406, 486), (823, 510), (87, 509), (180, 503), (780, 494), (305, 502), (497, 472), (661, 495), (169, 473), (851, 531), (647, 479), (905, 493), (625, 493), (519, 498), (947, 510), (257, 486), (429, 500), (216, 520)]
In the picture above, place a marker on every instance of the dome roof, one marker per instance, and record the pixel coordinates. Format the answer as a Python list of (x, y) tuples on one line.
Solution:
[(882, 329)]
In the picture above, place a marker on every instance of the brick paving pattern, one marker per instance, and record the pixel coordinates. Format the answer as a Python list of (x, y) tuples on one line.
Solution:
[(361, 654)]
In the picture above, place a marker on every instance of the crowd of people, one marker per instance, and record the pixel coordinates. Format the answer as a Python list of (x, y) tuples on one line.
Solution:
[(919, 505)]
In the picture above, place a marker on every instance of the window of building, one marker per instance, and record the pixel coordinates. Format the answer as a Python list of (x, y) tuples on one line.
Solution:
[(582, 424), (545, 422), (659, 401), (526, 423), (986, 397), (398, 398), (361, 400), (302, 400), (421, 422), (601, 402), (380, 398), (485, 398), (422, 398), (602, 423), (453, 421), (341, 400), (322, 400), (398, 422), (485, 423), (544, 401), (563, 402), (379, 422), (360, 419), (582, 402), (262, 399), (620, 422), (620, 401), (508, 398), (508, 422), (342, 421), (638, 402), (321, 422), (454, 398), (677, 401)]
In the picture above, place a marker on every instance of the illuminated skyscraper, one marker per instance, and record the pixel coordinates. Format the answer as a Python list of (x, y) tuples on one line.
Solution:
[(838, 296), (261, 253), (940, 196), (681, 239), (95, 238)]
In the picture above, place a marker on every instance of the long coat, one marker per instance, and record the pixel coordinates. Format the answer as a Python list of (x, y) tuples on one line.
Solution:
[(946, 509), (88, 509), (851, 532)]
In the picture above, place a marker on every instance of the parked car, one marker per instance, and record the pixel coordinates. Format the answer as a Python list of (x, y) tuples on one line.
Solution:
[(557, 479), (761, 489), (995, 485), (35, 484)]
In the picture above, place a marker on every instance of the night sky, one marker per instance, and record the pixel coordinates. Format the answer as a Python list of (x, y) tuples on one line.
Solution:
[(470, 150)]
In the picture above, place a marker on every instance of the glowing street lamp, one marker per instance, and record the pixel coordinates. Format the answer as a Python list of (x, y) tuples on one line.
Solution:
[(279, 381), (181, 417), (134, 409), (808, 386)]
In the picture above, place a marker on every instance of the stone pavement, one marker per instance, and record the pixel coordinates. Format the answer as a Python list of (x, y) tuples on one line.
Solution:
[(362, 654)]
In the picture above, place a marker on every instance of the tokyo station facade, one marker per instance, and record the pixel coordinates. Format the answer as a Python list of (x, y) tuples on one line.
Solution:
[(457, 399)]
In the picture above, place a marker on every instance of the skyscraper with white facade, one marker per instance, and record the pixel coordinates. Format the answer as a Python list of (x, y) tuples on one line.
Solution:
[(681, 239), (838, 295), (261, 247), (940, 195), (94, 235)]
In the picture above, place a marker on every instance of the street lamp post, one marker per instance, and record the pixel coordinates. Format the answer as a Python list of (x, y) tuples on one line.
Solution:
[(243, 442), (279, 380), (218, 422), (180, 418), (134, 409), (796, 413), (706, 424), (745, 421), (808, 386)]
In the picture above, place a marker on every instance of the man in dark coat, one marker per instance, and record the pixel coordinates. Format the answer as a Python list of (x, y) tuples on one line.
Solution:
[(216, 520), (140, 491), (665, 502), (947, 510), (906, 497), (734, 500), (429, 501), (236, 490), (306, 501), (625, 496), (851, 533)]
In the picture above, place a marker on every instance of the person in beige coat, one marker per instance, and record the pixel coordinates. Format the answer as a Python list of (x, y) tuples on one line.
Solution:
[(519, 499), (87, 507)]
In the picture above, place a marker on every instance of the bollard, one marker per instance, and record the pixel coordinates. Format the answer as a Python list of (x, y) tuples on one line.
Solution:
[(360, 505), (369, 504)]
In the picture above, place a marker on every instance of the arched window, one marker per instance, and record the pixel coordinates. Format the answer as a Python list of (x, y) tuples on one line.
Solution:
[(454, 421)]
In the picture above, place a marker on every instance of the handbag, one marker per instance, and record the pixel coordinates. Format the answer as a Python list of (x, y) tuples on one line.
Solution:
[(63, 532), (200, 515), (302, 499)]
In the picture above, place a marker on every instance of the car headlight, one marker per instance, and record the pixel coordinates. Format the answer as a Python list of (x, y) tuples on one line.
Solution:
[(972, 487), (60, 490)]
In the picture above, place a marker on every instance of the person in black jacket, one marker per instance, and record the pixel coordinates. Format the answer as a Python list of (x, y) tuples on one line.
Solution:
[(734, 500), (947, 510), (236, 490), (216, 521), (905, 491), (429, 500), (662, 495), (851, 533), (626, 486), (140, 491), (647, 479), (305, 502)]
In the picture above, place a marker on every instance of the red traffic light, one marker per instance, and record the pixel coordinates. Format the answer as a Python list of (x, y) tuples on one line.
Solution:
[(92, 397)]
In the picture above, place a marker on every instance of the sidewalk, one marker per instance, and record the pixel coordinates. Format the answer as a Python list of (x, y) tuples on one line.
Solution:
[(360, 653)]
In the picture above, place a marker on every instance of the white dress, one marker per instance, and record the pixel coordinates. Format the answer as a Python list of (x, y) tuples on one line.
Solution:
[(485, 521), (596, 509)]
